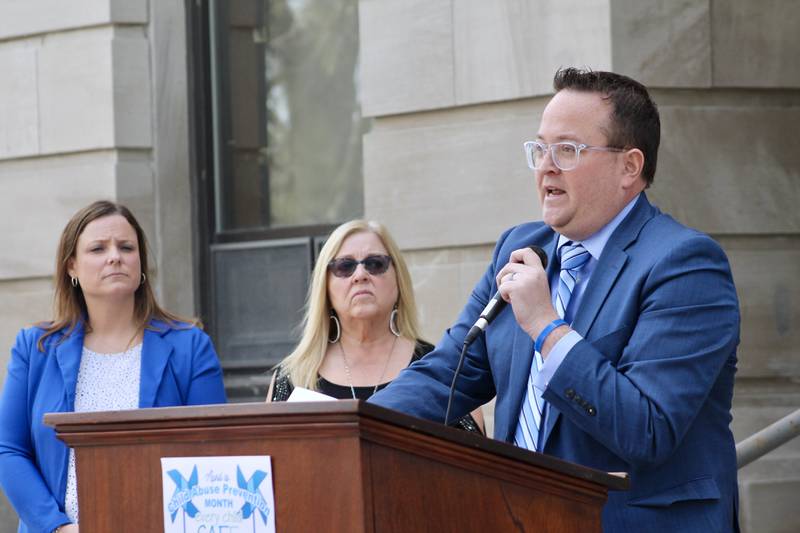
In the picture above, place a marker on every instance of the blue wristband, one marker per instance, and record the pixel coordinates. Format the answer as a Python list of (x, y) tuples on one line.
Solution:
[(545, 332)]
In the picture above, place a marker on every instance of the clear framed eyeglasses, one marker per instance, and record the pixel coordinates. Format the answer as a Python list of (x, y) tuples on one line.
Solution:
[(565, 155)]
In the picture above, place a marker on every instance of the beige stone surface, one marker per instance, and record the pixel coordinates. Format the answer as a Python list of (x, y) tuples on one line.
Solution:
[(755, 44), (662, 44), (770, 506), (26, 17), (730, 167), (132, 87), (76, 92), (38, 196), (569, 33), (24, 303), (765, 271), (768, 486), (19, 110), (435, 54), (94, 89), (172, 237), (134, 187), (452, 178), (406, 55), (496, 56), (443, 280)]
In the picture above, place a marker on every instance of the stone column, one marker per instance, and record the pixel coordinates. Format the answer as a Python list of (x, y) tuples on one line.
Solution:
[(93, 105)]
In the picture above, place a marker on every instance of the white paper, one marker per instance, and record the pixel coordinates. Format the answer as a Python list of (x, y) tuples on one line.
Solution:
[(299, 394), (219, 494)]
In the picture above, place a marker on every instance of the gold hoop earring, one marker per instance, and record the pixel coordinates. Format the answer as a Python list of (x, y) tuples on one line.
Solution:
[(144, 279), (74, 281), (393, 323), (334, 320)]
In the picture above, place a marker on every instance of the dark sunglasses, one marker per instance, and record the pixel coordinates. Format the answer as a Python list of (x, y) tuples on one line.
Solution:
[(373, 264)]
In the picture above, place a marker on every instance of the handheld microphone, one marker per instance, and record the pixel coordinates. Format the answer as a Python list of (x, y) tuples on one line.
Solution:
[(495, 305), (492, 309)]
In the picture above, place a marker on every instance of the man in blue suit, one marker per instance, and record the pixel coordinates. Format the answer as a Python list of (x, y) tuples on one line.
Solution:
[(621, 354)]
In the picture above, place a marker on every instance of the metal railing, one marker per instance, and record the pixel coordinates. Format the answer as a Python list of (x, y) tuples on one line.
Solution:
[(768, 439)]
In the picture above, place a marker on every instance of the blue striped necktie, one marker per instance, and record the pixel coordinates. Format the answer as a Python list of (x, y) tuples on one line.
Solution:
[(573, 258)]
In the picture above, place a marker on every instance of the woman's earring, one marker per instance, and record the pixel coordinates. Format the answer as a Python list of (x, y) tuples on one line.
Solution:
[(74, 281), (333, 339), (144, 279), (393, 323)]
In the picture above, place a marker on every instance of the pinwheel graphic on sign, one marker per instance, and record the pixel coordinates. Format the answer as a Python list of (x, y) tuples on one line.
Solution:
[(182, 498), (254, 500)]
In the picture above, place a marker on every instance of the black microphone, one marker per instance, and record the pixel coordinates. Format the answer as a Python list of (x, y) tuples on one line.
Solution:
[(495, 305)]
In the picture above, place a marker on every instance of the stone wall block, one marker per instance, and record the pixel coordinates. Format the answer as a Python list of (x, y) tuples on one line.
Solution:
[(662, 44), (19, 109), (768, 487), (765, 271), (28, 17), (132, 88), (495, 53), (52, 190), (769, 506), (570, 33), (730, 170), (76, 91), (171, 158), (134, 188), (755, 44), (25, 302), (463, 174), (439, 302), (406, 55)]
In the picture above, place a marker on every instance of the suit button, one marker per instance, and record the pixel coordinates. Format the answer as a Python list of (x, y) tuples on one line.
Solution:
[(591, 411), (584, 403), (569, 393)]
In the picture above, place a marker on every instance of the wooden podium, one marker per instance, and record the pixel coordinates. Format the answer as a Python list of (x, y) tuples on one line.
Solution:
[(344, 466)]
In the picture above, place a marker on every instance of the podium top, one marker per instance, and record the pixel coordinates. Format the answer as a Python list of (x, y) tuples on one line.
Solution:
[(365, 420)]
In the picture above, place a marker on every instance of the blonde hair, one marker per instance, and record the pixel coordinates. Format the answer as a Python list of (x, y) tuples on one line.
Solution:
[(69, 306), (302, 365)]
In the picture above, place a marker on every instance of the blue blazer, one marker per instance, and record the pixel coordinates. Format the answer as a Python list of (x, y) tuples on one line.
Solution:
[(179, 367), (648, 391)]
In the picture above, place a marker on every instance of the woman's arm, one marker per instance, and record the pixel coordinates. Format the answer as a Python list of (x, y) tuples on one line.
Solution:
[(20, 476)]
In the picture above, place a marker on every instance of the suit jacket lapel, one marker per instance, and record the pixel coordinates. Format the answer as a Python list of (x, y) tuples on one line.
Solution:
[(522, 350), (68, 356), (610, 265), (155, 355), (608, 269)]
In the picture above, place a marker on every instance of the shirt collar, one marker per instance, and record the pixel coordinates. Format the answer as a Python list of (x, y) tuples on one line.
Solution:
[(595, 243)]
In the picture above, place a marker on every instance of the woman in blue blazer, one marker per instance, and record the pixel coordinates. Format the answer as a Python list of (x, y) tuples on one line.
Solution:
[(109, 346)]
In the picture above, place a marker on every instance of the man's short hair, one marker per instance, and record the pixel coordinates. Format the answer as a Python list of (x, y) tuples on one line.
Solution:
[(635, 122)]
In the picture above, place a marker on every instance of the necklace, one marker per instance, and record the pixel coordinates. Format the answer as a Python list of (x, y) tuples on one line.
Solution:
[(350, 377)]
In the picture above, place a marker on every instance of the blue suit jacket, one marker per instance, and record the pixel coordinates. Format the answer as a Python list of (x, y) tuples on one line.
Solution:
[(179, 367), (648, 391)]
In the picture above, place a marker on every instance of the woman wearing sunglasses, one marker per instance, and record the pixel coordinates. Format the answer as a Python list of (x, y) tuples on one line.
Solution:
[(360, 326)]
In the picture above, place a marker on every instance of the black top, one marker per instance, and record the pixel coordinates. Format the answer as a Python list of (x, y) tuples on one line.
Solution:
[(284, 387)]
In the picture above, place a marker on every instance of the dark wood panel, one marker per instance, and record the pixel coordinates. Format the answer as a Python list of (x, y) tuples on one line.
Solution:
[(337, 466)]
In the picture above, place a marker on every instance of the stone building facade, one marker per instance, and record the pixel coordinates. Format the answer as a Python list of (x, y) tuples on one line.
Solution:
[(96, 101)]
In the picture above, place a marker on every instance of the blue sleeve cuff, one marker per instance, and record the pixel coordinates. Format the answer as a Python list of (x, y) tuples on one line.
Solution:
[(554, 359)]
